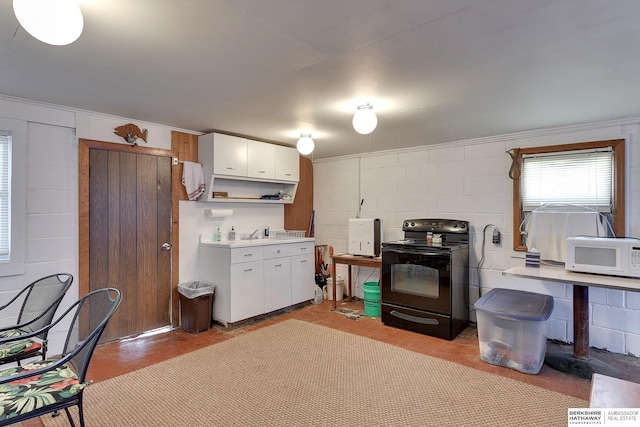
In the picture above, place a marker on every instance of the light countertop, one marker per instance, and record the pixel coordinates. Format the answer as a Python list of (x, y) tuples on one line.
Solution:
[(560, 274), (207, 241)]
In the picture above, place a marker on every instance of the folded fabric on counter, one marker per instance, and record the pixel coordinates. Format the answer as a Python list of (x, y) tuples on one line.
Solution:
[(548, 231)]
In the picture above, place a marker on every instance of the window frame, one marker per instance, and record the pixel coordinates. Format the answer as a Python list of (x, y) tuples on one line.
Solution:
[(16, 265), (618, 192)]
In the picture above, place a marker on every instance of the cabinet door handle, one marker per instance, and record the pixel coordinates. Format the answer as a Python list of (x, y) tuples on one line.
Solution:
[(278, 265), (248, 269), (287, 174), (303, 261), (230, 168), (262, 171), (278, 251), (248, 254)]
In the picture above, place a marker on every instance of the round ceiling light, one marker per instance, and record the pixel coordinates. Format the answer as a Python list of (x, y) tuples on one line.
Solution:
[(365, 120), (55, 22), (305, 144)]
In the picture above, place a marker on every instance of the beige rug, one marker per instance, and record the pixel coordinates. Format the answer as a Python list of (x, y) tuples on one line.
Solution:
[(299, 374)]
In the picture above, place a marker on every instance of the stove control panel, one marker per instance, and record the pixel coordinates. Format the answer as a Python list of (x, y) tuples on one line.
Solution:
[(436, 226)]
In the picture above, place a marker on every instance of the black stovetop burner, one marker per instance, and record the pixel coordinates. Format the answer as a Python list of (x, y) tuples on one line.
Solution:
[(453, 233), (423, 244)]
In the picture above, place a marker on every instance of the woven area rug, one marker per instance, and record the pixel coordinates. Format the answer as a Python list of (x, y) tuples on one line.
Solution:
[(296, 373)]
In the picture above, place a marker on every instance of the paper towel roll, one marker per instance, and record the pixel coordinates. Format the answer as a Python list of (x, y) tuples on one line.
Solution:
[(218, 213)]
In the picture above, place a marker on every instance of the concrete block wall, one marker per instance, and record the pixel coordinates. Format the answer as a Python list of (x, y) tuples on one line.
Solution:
[(51, 216), (469, 180)]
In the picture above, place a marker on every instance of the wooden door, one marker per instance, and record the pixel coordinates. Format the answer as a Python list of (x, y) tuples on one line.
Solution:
[(129, 221)]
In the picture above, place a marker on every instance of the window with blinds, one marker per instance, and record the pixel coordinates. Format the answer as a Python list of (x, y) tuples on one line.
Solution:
[(589, 174), (5, 196), (582, 178)]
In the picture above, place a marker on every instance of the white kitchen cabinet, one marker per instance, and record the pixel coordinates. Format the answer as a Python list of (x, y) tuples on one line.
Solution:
[(238, 278), (277, 277), (287, 163), (247, 290), (245, 170), (261, 160), (256, 277), (229, 155), (302, 272)]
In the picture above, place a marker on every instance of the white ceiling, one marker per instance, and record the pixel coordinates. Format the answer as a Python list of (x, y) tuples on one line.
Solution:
[(434, 70)]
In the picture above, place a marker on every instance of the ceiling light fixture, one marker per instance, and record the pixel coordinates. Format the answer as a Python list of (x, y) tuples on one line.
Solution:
[(305, 144), (55, 22), (365, 120)]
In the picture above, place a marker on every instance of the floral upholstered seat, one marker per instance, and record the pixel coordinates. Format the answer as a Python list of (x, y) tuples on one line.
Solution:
[(24, 347), (32, 393), (57, 384), (37, 304)]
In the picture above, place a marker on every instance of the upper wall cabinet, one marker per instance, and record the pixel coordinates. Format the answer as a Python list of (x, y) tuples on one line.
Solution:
[(242, 170), (229, 154), (287, 163), (261, 160)]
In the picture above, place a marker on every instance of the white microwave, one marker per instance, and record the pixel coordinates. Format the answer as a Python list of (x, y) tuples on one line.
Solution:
[(604, 255)]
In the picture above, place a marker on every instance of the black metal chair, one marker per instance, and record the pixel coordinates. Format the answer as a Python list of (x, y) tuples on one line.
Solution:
[(40, 300), (54, 384)]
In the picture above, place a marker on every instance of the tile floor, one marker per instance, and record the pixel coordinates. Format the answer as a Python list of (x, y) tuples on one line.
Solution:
[(118, 358)]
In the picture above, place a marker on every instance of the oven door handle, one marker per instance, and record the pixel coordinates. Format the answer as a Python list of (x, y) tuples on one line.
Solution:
[(415, 319), (418, 252)]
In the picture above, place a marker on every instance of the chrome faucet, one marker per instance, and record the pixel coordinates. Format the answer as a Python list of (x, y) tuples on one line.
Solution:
[(253, 235)]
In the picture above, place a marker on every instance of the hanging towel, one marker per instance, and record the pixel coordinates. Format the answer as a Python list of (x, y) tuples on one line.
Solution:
[(193, 179), (548, 231)]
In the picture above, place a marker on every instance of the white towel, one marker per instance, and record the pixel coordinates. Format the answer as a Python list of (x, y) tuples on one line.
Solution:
[(548, 231), (193, 179)]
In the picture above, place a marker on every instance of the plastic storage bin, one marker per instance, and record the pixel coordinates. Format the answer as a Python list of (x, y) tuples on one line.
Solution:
[(513, 327), (196, 300)]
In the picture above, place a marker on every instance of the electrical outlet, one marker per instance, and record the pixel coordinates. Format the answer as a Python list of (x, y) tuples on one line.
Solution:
[(496, 236)]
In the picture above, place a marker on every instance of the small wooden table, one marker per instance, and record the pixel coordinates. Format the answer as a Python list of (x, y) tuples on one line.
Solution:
[(350, 260)]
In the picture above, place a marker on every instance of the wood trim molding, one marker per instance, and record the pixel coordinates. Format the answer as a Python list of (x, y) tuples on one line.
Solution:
[(84, 145)]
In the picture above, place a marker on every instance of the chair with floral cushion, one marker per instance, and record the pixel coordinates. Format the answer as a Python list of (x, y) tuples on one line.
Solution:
[(57, 383), (40, 300)]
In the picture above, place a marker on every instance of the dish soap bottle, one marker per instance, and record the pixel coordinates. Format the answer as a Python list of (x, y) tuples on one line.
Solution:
[(218, 235), (232, 234)]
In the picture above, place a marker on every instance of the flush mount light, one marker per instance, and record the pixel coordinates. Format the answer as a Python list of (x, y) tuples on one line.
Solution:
[(305, 144), (55, 22), (365, 120)]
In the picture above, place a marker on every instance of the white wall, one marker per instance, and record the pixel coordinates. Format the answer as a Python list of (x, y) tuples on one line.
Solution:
[(51, 167), (246, 218), (51, 202), (52, 198), (465, 180), (468, 180)]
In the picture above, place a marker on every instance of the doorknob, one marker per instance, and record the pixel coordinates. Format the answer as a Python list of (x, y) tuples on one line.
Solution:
[(166, 246)]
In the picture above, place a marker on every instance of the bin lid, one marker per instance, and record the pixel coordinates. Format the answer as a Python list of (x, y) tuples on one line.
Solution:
[(515, 304)]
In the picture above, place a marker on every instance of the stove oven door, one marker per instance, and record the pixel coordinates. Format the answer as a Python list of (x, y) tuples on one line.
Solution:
[(417, 278)]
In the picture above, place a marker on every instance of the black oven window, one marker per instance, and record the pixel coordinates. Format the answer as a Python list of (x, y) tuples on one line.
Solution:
[(416, 280)]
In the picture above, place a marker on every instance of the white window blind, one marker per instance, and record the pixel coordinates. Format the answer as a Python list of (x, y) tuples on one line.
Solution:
[(5, 196), (581, 178)]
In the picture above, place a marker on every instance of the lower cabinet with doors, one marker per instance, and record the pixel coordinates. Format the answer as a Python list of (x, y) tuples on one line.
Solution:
[(253, 278), (302, 272), (277, 277)]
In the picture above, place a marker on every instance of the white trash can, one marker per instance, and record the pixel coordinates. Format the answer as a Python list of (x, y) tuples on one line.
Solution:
[(339, 288)]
